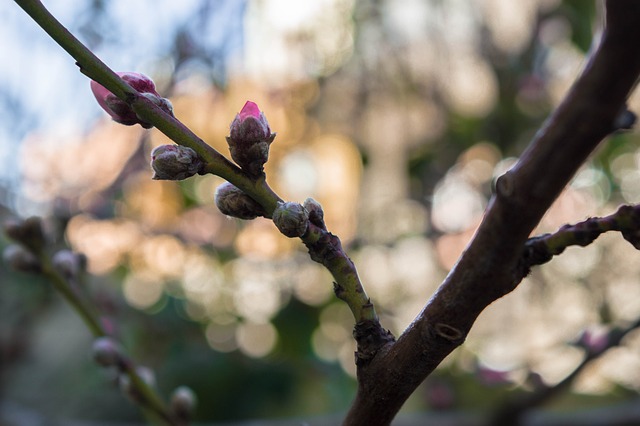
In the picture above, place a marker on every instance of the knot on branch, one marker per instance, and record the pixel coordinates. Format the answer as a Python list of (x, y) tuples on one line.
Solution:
[(325, 248), (370, 338), (447, 332)]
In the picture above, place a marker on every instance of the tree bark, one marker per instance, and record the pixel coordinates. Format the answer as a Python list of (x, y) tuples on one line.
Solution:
[(487, 270)]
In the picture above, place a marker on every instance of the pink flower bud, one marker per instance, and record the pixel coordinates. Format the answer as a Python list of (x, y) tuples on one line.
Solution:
[(174, 162), (119, 110), (249, 139)]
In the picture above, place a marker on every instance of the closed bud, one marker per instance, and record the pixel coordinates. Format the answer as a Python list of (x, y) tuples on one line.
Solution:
[(316, 214), (249, 139), (183, 402), (146, 375), (106, 352), (174, 162), (28, 232), (234, 202), (20, 259), (292, 219), (68, 263), (119, 110)]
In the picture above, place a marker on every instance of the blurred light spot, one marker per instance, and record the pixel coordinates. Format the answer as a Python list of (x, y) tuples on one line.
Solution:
[(142, 292), (299, 175), (594, 182), (163, 254), (456, 206), (256, 294), (470, 87), (478, 162), (221, 337), (156, 204), (312, 284), (260, 239), (577, 262), (510, 23), (334, 331), (103, 242), (256, 340), (205, 225), (204, 188)]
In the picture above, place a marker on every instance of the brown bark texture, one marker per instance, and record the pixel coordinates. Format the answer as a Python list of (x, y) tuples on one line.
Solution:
[(488, 269)]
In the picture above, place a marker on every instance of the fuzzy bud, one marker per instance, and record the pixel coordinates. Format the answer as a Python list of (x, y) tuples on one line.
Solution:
[(119, 110), (28, 232), (183, 402), (316, 214), (20, 259), (249, 139), (233, 202), (291, 219), (146, 375), (174, 162), (68, 263), (106, 352)]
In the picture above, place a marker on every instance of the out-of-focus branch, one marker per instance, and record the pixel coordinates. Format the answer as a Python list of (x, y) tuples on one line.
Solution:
[(513, 412), (488, 269), (30, 254)]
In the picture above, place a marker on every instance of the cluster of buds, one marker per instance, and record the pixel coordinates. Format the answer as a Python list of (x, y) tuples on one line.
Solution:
[(119, 110), (30, 239), (249, 139), (175, 162)]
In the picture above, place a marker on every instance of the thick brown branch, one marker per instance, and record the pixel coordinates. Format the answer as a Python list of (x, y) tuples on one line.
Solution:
[(488, 268)]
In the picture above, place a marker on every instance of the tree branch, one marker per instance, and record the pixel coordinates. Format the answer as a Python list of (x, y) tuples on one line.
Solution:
[(487, 270)]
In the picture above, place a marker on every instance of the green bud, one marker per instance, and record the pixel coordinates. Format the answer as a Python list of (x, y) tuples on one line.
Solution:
[(68, 263), (316, 214), (183, 402), (175, 162), (106, 352), (292, 219), (28, 232), (234, 202), (20, 259)]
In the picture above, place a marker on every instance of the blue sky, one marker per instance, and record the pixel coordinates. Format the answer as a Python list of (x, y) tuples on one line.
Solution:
[(40, 86)]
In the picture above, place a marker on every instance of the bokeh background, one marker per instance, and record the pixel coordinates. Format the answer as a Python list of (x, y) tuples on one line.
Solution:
[(397, 115)]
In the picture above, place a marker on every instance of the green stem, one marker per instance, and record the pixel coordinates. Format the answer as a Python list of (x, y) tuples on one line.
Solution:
[(62, 286), (348, 286)]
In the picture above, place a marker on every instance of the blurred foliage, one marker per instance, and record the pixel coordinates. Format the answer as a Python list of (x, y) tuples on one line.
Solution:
[(397, 117)]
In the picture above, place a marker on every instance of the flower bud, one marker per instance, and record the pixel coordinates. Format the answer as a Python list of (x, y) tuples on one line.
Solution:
[(183, 402), (119, 110), (174, 162), (146, 375), (249, 139), (68, 263), (20, 259), (232, 201), (28, 232), (291, 219), (106, 352), (316, 214)]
